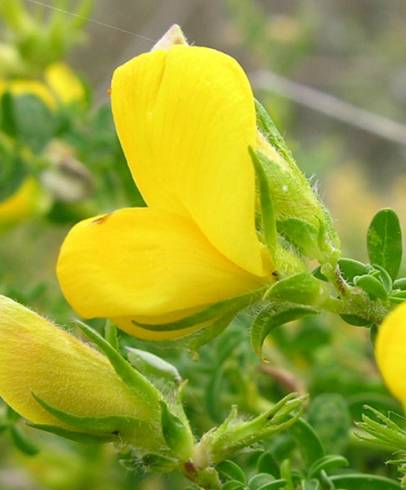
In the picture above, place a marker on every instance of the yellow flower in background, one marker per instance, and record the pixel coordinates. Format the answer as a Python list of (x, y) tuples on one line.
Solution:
[(39, 359), (21, 205), (64, 83), (390, 351), (27, 87), (185, 117)]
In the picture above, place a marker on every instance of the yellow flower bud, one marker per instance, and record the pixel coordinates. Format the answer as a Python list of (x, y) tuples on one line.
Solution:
[(41, 362), (390, 352)]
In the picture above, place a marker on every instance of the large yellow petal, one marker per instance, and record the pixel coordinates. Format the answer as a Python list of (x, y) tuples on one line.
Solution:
[(185, 118), (390, 351), (144, 262), (38, 357)]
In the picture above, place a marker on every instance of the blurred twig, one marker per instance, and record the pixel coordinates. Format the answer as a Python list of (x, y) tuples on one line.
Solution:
[(329, 105)]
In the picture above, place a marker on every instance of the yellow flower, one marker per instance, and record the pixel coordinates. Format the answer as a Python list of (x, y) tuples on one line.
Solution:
[(40, 361), (185, 117), (64, 83), (390, 351), (22, 204), (33, 87)]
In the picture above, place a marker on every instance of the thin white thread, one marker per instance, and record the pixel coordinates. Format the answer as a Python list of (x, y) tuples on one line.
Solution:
[(90, 20)]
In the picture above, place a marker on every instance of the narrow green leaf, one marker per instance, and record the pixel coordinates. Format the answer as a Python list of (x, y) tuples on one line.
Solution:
[(176, 434), (274, 485), (271, 133), (260, 480), (267, 212), (143, 388), (272, 316), (110, 424), (364, 482), (22, 442), (384, 241)]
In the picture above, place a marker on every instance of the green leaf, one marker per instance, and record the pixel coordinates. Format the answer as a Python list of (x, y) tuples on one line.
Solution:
[(384, 241), (260, 480), (311, 485), (301, 288), (81, 437), (8, 120), (271, 133), (134, 380), (229, 470), (22, 442), (371, 285), (274, 485), (233, 485), (356, 321), (13, 171), (383, 275), (400, 284), (307, 441), (267, 464), (328, 462), (272, 316), (110, 424), (267, 212), (364, 482), (350, 268)]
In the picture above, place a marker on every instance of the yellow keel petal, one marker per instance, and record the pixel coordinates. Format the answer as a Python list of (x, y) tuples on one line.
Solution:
[(144, 262)]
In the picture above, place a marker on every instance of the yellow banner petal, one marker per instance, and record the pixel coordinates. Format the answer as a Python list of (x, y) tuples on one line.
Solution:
[(390, 351), (144, 262), (38, 357), (185, 118)]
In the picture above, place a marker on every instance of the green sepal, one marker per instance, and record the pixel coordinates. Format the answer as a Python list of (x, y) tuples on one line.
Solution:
[(371, 285), (108, 425), (303, 235), (81, 437), (384, 241), (134, 380), (218, 309), (154, 368), (351, 268), (364, 482), (303, 288), (272, 134), (176, 434), (328, 462), (22, 442), (265, 197), (272, 316)]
